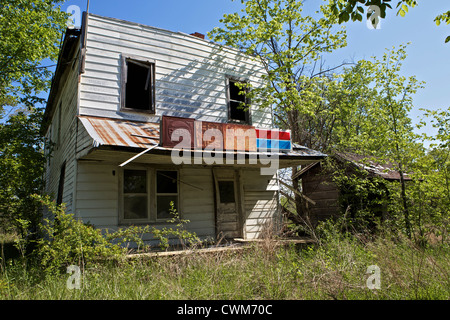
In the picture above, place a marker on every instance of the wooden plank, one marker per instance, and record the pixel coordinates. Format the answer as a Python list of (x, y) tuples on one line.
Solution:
[(185, 252), (305, 169), (297, 192), (97, 204), (281, 241)]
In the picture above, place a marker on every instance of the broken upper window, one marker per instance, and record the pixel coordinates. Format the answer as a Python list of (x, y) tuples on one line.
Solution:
[(238, 104), (138, 85)]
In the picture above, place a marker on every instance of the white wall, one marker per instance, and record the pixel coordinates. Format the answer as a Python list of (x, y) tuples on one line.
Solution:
[(190, 72), (260, 202), (98, 191), (98, 198), (64, 150)]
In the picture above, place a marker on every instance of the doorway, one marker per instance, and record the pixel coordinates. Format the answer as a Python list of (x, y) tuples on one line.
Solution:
[(227, 204)]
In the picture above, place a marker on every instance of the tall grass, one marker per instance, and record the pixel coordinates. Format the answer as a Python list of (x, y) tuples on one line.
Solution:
[(333, 268)]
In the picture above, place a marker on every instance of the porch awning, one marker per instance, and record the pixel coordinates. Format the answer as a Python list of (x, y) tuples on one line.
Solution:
[(111, 134), (124, 133)]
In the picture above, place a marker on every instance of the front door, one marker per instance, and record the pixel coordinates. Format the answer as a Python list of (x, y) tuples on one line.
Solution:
[(227, 208)]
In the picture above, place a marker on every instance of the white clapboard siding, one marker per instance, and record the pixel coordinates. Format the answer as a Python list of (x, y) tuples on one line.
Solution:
[(97, 195), (190, 72), (64, 149), (197, 205), (98, 191), (260, 203)]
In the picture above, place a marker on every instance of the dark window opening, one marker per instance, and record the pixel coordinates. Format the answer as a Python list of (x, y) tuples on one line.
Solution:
[(62, 176), (238, 102), (226, 191), (135, 196), (139, 86)]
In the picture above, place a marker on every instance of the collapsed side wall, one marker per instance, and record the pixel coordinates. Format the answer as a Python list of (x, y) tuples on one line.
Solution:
[(319, 187)]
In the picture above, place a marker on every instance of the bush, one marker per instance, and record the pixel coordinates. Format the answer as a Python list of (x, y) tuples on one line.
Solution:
[(185, 237), (68, 241)]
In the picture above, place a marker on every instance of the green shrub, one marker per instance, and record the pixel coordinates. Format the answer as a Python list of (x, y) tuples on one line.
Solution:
[(185, 237), (68, 241)]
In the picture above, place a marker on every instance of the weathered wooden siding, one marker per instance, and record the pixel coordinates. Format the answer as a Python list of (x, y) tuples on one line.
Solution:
[(98, 191), (64, 150), (190, 72), (97, 194), (319, 187), (260, 203), (197, 205), (98, 198)]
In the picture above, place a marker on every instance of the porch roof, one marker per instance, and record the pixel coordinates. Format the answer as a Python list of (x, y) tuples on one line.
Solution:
[(108, 132)]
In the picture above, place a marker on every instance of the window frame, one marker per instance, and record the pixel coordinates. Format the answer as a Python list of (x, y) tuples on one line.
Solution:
[(148, 177), (234, 191), (122, 219), (248, 118), (123, 81), (152, 214)]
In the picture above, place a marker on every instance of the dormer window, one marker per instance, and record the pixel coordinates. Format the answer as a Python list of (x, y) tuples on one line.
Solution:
[(238, 103), (138, 85)]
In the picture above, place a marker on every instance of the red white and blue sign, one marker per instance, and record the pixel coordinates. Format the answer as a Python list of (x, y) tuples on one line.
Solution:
[(270, 139)]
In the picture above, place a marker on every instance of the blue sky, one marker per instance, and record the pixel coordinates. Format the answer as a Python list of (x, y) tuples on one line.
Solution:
[(428, 56)]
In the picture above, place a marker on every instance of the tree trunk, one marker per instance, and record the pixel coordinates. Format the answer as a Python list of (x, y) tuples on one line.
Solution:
[(405, 202), (295, 136), (297, 198)]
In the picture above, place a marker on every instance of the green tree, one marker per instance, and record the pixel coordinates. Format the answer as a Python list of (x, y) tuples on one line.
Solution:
[(354, 10), (437, 166), (383, 127), (30, 32), (21, 168), (289, 45)]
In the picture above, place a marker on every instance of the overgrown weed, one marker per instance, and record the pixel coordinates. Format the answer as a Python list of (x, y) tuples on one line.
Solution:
[(334, 267)]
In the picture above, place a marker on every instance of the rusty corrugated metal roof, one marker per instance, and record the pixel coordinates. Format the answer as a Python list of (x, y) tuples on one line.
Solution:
[(374, 166), (126, 133), (115, 132)]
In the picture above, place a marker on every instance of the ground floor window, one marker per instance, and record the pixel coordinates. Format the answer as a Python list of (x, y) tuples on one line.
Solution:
[(135, 194), (146, 194), (166, 192)]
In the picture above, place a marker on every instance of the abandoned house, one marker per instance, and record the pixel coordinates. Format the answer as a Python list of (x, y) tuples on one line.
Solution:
[(325, 199), (139, 117)]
